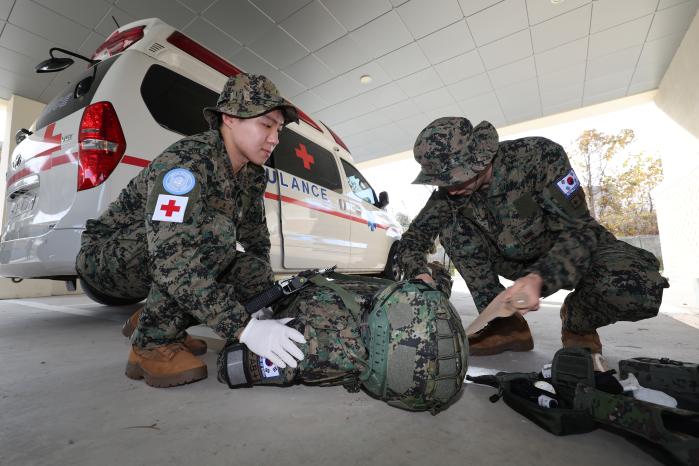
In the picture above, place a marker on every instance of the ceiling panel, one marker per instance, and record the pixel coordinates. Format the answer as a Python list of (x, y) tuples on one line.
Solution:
[(5, 8), (470, 7), (603, 84), (384, 34), (310, 102), (520, 99), (562, 29), (108, 24), (173, 13), (400, 110), (561, 57), (85, 12), (562, 95), (471, 87), (461, 67), (313, 26), (386, 95), (618, 61), (198, 6), (206, 33), (619, 37), (278, 48), (563, 78), (507, 50), (348, 85), (420, 82), (275, 9), (485, 107), (251, 63), (672, 20), (424, 17), (344, 54), (239, 19), (513, 72), (604, 96), (541, 10), (404, 61), (498, 21), (51, 26), (357, 12), (434, 99), (310, 71), (609, 13), (448, 42)]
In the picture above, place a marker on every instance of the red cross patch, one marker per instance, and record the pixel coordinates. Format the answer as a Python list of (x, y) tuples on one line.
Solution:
[(170, 208), (302, 153)]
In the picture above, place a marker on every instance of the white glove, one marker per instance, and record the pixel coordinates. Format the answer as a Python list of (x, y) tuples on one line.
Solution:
[(263, 314), (272, 339)]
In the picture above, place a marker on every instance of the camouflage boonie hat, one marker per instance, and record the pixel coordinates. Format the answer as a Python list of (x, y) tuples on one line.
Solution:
[(451, 151), (248, 96)]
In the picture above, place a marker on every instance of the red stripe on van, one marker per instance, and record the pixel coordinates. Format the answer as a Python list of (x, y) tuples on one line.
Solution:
[(326, 210), (139, 162)]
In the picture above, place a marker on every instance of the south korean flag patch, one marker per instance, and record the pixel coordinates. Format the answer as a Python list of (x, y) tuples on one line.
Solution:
[(569, 184), (268, 369), (170, 208)]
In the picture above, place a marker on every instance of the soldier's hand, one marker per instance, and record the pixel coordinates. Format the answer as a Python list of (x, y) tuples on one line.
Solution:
[(426, 277), (273, 340), (525, 293)]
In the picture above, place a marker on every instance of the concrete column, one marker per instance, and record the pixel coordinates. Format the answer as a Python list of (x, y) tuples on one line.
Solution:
[(677, 198)]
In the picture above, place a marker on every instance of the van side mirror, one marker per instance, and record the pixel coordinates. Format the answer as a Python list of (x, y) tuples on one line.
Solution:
[(21, 134), (383, 200)]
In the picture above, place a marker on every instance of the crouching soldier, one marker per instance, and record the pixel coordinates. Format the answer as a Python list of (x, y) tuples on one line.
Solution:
[(516, 209), (170, 237)]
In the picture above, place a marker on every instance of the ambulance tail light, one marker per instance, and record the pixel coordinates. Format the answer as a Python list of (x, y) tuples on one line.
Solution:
[(118, 42), (101, 145), (337, 138)]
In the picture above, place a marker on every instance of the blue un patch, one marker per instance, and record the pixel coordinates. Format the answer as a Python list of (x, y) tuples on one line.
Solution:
[(178, 181)]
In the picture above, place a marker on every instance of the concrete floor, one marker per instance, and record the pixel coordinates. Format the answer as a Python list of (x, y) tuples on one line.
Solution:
[(64, 400)]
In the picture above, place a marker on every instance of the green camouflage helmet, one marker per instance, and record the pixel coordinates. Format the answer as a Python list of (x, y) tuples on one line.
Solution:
[(418, 350), (451, 151), (248, 96)]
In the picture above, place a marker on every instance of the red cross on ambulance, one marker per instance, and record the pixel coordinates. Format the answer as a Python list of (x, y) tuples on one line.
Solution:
[(170, 208), (302, 153)]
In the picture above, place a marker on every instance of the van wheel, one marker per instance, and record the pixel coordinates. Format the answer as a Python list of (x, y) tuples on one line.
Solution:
[(102, 298), (392, 271)]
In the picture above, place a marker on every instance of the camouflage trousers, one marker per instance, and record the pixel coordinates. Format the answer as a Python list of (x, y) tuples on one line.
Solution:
[(623, 282), (118, 265)]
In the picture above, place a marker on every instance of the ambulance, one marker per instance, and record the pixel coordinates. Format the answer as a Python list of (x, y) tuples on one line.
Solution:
[(146, 90)]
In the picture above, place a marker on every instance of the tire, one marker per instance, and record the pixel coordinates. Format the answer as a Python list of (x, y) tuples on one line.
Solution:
[(392, 271), (102, 298)]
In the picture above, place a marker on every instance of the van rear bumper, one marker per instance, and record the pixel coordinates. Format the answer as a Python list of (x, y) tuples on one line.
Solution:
[(45, 256)]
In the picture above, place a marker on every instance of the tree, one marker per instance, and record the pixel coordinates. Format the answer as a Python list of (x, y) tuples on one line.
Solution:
[(618, 194)]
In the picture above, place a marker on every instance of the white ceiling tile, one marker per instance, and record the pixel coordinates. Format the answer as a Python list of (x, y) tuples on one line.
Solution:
[(400, 110), (606, 96), (563, 56), (16, 62), (470, 7), (398, 2), (173, 13), (461, 67), (563, 107), (448, 111), (471, 87), (434, 99), (420, 82), (637, 87), (107, 25), (404, 61), (239, 19), (279, 11), (659, 52), (313, 26), (541, 10), (86, 12), (612, 63), (608, 13), (349, 128), (251, 63), (446, 43), (25, 85), (527, 113), (386, 95), (198, 5), (91, 44), (483, 108), (309, 102), (561, 95), (43, 22), (347, 85), (278, 48), (670, 3), (507, 50), (672, 20), (563, 78), (5, 8), (309, 71), (384, 34), (25, 42), (212, 37), (519, 99), (608, 83), (352, 108), (513, 72), (619, 37), (561, 29), (414, 124), (426, 16), (648, 73), (344, 54), (7, 94), (498, 21), (356, 13)]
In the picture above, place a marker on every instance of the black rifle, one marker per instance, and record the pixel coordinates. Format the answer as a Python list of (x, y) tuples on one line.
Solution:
[(282, 288)]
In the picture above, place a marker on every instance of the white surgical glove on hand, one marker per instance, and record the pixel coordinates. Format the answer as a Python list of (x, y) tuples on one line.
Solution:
[(273, 340)]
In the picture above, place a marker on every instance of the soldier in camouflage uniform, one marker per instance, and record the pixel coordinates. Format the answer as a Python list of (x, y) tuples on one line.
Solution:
[(516, 209), (170, 237)]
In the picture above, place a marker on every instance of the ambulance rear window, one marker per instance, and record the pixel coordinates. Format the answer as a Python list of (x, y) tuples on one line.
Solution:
[(176, 102), (76, 95), (300, 157)]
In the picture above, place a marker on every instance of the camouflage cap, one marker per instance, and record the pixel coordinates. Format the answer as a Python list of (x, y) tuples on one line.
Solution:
[(451, 151), (248, 96)]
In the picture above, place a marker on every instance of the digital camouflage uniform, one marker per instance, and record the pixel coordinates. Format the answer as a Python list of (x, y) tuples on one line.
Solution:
[(189, 271), (533, 218)]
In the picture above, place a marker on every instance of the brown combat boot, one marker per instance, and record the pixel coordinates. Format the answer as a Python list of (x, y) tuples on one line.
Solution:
[(503, 334), (194, 345), (581, 340), (165, 366)]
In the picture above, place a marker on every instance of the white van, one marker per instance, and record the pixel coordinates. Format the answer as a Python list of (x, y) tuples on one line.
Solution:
[(146, 92)]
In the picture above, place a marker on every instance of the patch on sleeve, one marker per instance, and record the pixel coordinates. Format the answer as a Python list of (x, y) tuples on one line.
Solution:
[(170, 208), (569, 184), (268, 368), (178, 181)]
